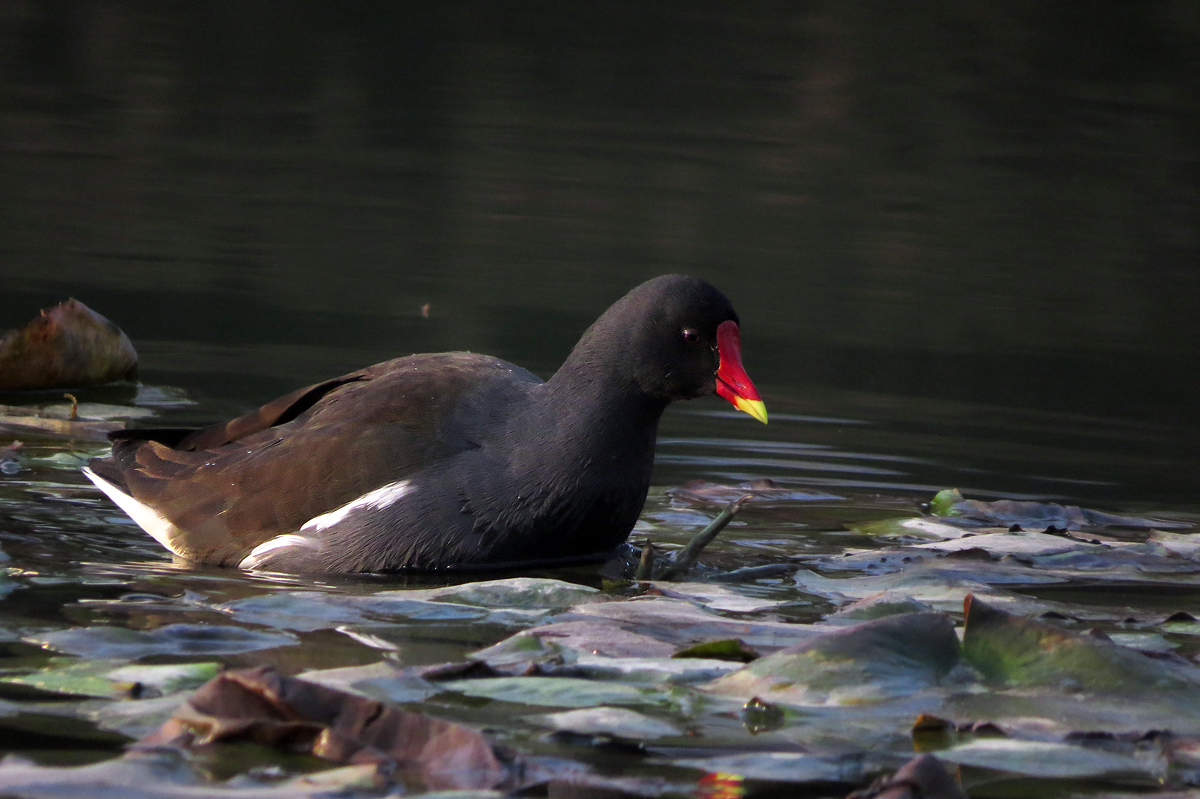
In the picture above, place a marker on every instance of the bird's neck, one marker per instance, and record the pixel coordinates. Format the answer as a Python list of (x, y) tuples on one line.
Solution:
[(591, 415)]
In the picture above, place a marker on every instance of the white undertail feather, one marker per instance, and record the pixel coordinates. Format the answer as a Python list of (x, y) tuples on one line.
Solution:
[(285, 541), (150, 520), (379, 498), (163, 531)]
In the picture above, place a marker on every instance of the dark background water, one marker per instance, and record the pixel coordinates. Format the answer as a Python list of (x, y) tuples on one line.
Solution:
[(970, 228)]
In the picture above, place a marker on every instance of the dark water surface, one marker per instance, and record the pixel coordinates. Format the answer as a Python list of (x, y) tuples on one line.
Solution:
[(963, 240)]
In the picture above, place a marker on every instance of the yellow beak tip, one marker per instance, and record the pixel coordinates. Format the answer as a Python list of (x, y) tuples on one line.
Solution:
[(755, 408)]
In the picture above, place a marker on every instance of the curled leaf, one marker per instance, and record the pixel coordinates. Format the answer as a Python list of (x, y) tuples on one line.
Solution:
[(923, 777), (68, 345), (262, 706)]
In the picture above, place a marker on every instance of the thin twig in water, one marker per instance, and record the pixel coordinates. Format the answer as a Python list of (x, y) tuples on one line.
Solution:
[(686, 558), (749, 573)]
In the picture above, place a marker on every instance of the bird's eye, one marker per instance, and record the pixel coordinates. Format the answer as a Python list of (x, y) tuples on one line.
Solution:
[(691, 335)]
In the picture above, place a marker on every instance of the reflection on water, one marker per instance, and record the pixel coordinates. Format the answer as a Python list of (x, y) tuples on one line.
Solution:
[(990, 202)]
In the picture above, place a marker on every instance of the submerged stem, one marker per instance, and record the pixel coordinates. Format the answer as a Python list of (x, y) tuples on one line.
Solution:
[(686, 558), (645, 567)]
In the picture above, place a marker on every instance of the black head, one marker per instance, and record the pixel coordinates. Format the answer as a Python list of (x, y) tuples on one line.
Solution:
[(667, 339)]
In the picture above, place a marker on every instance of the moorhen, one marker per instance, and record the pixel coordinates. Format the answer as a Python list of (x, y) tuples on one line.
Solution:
[(444, 461)]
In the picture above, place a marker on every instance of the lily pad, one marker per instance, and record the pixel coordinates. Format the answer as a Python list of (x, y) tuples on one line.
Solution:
[(134, 717), (305, 611), (727, 649), (782, 767), (558, 692), (677, 671), (1052, 760), (888, 657), (1006, 512), (938, 585), (160, 774), (614, 721), (1025, 652), (1184, 544), (598, 636), (382, 681), (172, 639), (876, 606), (516, 592), (167, 679), (113, 678), (1008, 543), (57, 428), (681, 623), (73, 678), (716, 597), (166, 774)]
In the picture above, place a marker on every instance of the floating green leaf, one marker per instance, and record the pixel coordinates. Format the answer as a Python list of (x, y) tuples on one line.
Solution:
[(112, 678), (558, 691), (167, 678), (69, 676), (876, 606), (725, 649), (1025, 652)]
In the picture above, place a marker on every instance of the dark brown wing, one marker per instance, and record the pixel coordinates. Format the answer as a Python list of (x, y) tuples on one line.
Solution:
[(230, 487), (276, 412)]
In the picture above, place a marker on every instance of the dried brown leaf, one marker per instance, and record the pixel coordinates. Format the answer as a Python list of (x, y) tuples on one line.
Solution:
[(923, 777), (262, 706), (68, 345)]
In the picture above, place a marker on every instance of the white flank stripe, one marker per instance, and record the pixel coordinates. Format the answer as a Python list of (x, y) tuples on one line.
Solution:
[(150, 520), (379, 498), (260, 552)]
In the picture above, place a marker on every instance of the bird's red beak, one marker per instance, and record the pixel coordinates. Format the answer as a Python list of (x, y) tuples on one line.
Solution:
[(732, 381)]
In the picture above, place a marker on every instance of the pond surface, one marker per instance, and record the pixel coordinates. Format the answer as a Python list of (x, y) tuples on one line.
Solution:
[(963, 249), (79, 572)]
